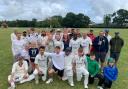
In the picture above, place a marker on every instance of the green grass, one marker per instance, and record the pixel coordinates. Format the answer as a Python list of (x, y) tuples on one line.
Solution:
[(6, 64)]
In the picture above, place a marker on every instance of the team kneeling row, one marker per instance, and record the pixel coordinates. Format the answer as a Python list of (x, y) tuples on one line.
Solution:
[(65, 65)]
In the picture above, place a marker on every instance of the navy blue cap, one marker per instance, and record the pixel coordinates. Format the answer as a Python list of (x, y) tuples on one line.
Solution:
[(68, 49), (106, 30)]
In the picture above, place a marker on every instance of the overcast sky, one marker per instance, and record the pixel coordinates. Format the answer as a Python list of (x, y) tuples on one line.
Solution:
[(41, 9)]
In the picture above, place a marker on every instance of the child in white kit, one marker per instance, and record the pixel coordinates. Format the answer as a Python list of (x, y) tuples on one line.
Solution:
[(41, 65), (68, 66), (81, 65)]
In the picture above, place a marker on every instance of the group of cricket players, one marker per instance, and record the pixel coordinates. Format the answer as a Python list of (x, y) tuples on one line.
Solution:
[(39, 55)]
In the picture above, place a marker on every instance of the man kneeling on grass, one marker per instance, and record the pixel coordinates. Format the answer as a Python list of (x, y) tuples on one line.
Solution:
[(41, 65), (58, 64), (19, 72), (80, 64)]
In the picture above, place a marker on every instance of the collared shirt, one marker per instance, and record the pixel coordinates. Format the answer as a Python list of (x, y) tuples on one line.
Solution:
[(42, 60), (20, 70), (86, 43)]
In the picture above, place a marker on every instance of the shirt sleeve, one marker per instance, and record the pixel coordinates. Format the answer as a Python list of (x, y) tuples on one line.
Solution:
[(96, 68), (90, 41), (49, 54), (86, 62), (13, 48), (36, 60), (70, 43), (14, 68), (26, 65), (62, 45)]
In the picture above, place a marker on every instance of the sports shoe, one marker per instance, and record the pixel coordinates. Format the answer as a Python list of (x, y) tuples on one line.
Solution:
[(86, 87), (36, 80), (11, 87), (49, 81), (72, 84), (99, 87)]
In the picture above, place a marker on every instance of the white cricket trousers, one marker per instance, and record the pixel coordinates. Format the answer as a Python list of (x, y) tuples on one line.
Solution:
[(68, 73), (19, 79), (44, 71), (80, 72)]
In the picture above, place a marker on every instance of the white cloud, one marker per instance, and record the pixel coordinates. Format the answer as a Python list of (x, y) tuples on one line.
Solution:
[(41, 9), (99, 8), (28, 9)]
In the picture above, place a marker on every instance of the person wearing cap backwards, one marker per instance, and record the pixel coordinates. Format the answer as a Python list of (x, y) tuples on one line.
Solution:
[(19, 72), (106, 34), (116, 44), (110, 74), (68, 66)]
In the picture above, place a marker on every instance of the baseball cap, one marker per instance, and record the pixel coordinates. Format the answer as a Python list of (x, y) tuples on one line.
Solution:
[(19, 56), (111, 60), (106, 30), (68, 49)]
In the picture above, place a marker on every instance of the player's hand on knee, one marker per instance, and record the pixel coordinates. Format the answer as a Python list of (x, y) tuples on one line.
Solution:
[(25, 76)]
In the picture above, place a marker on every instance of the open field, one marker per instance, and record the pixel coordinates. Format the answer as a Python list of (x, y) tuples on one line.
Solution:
[(6, 64)]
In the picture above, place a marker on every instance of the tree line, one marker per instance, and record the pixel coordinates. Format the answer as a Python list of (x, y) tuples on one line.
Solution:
[(116, 19), (70, 20)]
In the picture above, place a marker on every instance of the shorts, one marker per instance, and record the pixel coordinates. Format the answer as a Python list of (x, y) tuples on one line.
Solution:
[(59, 72), (115, 55), (80, 72), (100, 56)]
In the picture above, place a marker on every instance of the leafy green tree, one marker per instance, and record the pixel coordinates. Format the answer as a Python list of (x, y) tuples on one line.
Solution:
[(107, 20), (120, 18)]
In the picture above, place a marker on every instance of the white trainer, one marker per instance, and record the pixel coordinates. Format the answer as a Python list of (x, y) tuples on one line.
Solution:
[(99, 87), (72, 84), (49, 81), (11, 87), (86, 87)]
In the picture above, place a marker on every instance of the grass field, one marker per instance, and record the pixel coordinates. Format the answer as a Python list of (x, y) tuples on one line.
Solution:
[(6, 64)]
